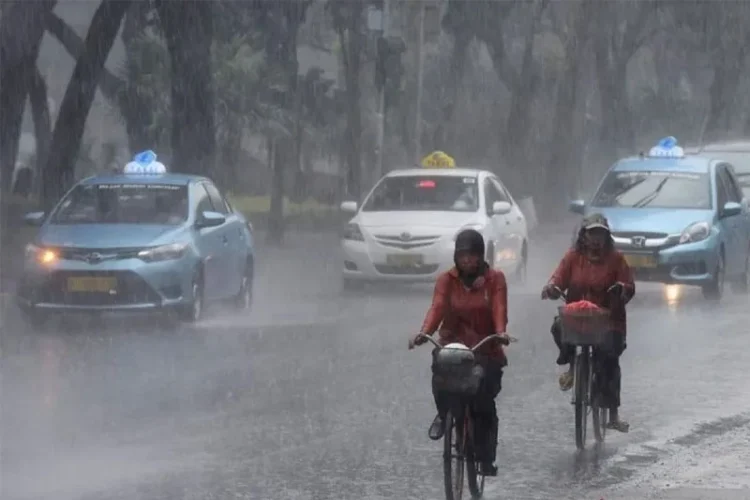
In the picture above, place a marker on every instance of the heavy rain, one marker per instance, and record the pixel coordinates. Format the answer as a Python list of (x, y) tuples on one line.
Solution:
[(208, 287)]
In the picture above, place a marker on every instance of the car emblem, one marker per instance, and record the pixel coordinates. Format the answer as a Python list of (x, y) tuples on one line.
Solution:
[(94, 258), (639, 241), (405, 236)]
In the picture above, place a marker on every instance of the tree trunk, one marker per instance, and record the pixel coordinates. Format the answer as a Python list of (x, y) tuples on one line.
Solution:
[(79, 96), (42, 125), (449, 128), (21, 32), (351, 44), (188, 30)]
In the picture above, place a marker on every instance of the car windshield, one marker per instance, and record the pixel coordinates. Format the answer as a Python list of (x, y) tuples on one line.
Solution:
[(422, 192), (639, 189), (124, 204)]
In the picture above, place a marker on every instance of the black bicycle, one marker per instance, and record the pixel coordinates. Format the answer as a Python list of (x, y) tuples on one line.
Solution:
[(586, 330), (458, 376)]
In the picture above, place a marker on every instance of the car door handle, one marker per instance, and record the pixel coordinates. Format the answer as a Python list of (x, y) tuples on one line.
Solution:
[(224, 240)]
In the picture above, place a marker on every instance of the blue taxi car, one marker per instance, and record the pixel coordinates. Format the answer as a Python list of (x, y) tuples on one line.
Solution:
[(678, 219), (145, 240)]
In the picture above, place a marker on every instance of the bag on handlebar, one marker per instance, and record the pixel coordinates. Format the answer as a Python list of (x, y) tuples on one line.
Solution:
[(584, 323), (455, 371)]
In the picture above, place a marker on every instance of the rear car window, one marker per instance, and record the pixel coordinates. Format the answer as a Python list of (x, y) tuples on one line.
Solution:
[(655, 189), (121, 203), (421, 192)]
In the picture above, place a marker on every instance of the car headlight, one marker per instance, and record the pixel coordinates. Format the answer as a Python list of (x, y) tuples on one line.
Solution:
[(697, 231), (164, 252), (44, 256), (476, 227), (353, 232)]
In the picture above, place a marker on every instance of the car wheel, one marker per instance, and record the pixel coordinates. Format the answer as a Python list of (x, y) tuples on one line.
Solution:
[(714, 290), (243, 301), (194, 311), (520, 274), (350, 285), (742, 284)]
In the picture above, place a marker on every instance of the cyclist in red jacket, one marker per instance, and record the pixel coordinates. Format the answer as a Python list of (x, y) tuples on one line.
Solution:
[(470, 303), (588, 272)]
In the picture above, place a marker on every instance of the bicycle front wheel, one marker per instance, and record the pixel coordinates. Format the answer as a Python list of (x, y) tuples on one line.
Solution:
[(581, 396), (475, 478), (454, 444)]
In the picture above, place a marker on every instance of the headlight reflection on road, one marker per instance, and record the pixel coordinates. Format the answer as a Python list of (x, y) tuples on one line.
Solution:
[(672, 293)]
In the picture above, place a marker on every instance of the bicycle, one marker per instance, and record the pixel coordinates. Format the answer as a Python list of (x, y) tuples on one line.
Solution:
[(462, 382), (586, 330)]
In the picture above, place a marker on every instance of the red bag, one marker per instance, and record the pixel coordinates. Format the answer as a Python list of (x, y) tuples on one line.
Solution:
[(584, 317)]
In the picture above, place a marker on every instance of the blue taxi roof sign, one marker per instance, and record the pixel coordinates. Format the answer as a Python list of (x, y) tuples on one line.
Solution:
[(144, 163), (667, 148)]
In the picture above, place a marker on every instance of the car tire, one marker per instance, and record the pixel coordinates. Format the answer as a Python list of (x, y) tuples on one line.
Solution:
[(243, 301), (715, 290), (742, 284), (519, 276), (350, 285), (193, 312)]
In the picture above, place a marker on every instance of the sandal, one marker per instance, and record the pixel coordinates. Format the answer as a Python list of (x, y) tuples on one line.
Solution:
[(566, 381)]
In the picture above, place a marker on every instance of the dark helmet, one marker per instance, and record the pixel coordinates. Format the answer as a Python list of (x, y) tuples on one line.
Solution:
[(470, 240), (595, 221)]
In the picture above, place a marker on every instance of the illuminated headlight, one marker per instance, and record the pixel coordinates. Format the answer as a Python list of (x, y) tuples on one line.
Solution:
[(45, 256), (164, 252), (476, 227), (352, 232), (695, 232)]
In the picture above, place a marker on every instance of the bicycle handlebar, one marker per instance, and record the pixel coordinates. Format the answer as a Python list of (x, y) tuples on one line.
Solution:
[(614, 288), (503, 339)]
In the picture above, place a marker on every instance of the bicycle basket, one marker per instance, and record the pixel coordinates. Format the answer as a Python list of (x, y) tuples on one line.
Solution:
[(455, 371), (585, 327)]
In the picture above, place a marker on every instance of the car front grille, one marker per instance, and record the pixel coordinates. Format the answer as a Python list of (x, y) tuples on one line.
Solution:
[(408, 243), (405, 271), (131, 289), (633, 234), (99, 254)]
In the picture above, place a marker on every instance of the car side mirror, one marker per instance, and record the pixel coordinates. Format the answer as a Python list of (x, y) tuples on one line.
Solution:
[(577, 206), (210, 219), (349, 206), (731, 208), (501, 208), (34, 218)]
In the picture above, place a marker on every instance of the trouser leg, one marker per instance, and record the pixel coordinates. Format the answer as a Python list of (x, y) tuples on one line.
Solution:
[(567, 352), (485, 412)]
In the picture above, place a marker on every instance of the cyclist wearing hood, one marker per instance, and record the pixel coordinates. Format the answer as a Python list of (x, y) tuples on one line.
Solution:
[(588, 271), (470, 302)]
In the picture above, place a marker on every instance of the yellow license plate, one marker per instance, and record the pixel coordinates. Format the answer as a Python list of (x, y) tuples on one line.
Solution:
[(404, 260), (92, 284), (642, 261)]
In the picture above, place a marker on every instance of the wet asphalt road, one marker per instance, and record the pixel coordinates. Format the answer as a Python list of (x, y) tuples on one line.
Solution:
[(314, 396)]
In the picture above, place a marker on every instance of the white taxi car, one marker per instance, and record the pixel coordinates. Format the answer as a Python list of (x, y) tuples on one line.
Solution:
[(405, 230)]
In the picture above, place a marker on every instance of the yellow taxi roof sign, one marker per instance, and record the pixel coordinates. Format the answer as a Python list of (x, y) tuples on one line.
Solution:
[(438, 159)]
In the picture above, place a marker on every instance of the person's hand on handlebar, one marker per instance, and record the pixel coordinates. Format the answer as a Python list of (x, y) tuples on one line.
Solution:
[(550, 291), (618, 290), (416, 340), (504, 338)]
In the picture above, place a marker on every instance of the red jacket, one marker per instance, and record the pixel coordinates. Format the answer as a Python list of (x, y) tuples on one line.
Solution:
[(468, 316), (588, 280)]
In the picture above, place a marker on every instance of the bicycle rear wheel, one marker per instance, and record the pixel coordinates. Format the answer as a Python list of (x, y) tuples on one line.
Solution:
[(581, 393), (453, 456), (475, 478)]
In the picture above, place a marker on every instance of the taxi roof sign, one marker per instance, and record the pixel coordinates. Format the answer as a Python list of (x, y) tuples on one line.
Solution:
[(144, 163), (438, 159), (667, 148)]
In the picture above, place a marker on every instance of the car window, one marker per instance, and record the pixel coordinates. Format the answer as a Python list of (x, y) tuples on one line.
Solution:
[(422, 192), (122, 203), (202, 200), (504, 194), (217, 200), (734, 191), (491, 195), (654, 189)]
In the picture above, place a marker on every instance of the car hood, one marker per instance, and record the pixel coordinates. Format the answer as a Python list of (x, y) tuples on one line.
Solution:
[(407, 220), (105, 235), (657, 220)]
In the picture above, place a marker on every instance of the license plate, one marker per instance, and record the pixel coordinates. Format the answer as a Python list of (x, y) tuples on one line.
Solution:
[(642, 261), (92, 284), (404, 260)]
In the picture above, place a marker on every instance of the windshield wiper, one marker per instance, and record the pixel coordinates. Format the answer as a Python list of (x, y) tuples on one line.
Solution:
[(651, 196)]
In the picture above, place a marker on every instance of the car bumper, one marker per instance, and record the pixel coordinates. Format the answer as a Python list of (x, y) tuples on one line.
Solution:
[(367, 262), (687, 264), (133, 286)]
